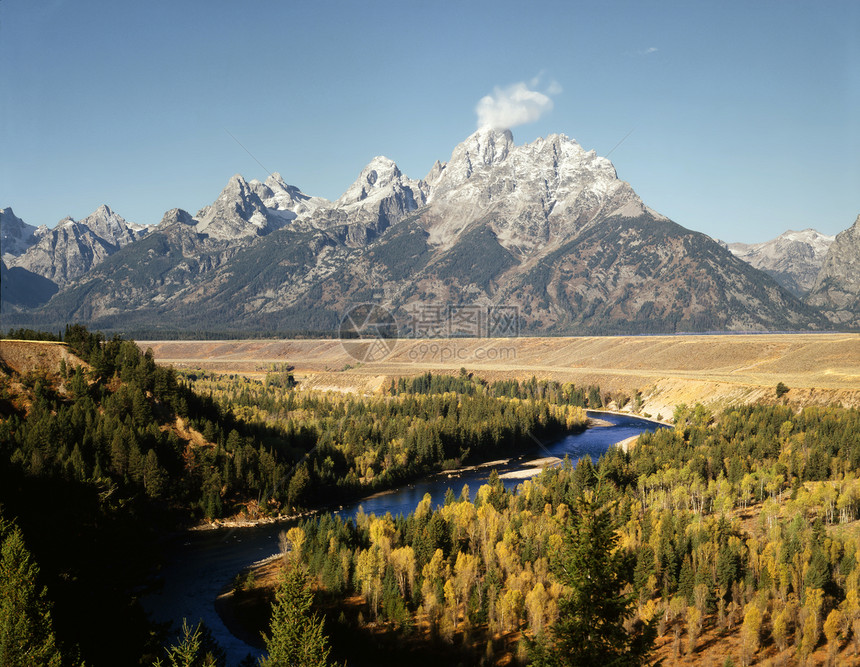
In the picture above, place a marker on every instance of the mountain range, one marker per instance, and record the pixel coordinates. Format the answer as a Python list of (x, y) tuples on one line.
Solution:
[(545, 231), (793, 259)]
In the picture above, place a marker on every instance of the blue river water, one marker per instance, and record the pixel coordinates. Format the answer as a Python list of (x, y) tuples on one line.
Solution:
[(203, 563), (592, 442)]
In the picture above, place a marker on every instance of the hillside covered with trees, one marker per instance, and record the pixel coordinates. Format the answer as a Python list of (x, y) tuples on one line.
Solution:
[(102, 456), (739, 527), (734, 532)]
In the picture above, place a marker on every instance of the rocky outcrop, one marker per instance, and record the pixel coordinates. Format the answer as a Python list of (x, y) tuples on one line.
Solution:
[(837, 288)]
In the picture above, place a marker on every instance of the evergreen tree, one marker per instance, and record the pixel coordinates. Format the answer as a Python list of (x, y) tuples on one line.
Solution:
[(194, 648), (590, 626), (299, 486), (297, 638), (26, 629), (153, 475)]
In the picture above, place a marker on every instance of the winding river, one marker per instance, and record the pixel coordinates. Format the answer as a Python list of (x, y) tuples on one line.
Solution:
[(202, 563)]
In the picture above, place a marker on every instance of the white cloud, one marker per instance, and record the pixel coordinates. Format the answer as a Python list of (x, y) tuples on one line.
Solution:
[(514, 105), (649, 50)]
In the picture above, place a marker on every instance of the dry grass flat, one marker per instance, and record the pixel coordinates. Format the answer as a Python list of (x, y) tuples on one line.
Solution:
[(715, 369)]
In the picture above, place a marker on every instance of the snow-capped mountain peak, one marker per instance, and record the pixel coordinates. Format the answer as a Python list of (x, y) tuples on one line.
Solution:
[(283, 200), (112, 227), (482, 149), (238, 212), (538, 192), (374, 182), (793, 258), (15, 234)]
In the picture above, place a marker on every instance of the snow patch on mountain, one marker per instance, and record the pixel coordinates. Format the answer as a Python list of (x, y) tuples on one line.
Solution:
[(793, 258), (16, 236), (286, 200), (533, 194), (72, 248)]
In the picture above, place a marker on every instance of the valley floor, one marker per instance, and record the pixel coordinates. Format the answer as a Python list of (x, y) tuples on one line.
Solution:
[(719, 370)]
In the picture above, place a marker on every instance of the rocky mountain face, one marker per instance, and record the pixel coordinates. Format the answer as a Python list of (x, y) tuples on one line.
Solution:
[(793, 259), (16, 236), (837, 288), (73, 248), (545, 233), (287, 200), (380, 197), (531, 196), (238, 212)]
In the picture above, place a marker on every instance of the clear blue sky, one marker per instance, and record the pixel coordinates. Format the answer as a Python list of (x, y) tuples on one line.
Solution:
[(745, 116)]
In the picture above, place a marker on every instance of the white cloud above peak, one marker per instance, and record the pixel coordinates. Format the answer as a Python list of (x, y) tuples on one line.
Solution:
[(516, 104)]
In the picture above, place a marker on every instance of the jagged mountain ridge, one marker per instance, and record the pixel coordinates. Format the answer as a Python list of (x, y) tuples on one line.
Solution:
[(536, 193), (16, 236), (793, 259), (546, 228), (72, 248)]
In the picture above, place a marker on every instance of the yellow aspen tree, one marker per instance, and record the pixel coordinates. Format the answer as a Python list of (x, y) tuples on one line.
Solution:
[(431, 604), (508, 559), (403, 562), (433, 574), (851, 610), (536, 602), (509, 607), (487, 519), (750, 633), (833, 630), (423, 507), (451, 606), (694, 626), (294, 540), (368, 569), (780, 628), (381, 535), (810, 622), (855, 633), (465, 576)]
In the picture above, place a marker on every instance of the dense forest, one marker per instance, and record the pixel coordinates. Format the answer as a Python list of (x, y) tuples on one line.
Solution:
[(362, 444), (107, 452), (96, 465), (488, 574), (741, 526)]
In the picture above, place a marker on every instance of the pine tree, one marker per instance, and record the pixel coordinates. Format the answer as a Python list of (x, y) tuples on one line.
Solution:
[(153, 475), (26, 629), (195, 647), (297, 638), (299, 486), (590, 627)]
